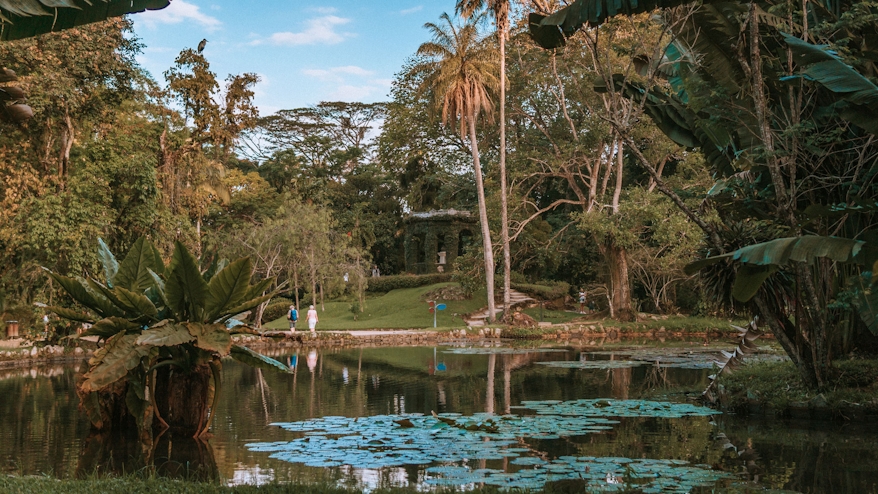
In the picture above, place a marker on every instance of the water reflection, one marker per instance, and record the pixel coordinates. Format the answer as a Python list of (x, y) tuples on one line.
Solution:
[(42, 431)]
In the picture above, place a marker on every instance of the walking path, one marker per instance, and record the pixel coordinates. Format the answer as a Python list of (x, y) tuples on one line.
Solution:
[(479, 318)]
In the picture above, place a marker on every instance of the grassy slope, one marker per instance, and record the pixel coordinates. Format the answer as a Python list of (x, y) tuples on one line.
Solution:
[(398, 309), (407, 309)]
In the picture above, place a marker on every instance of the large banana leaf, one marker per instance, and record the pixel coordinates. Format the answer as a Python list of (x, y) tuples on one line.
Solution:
[(165, 335), (210, 337), (111, 326), (75, 289), (185, 289), (549, 32), (135, 303), (112, 362), (108, 261), (258, 289), (133, 272), (762, 259), (248, 305), (228, 288), (108, 298), (26, 18), (71, 314), (247, 356), (820, 63)]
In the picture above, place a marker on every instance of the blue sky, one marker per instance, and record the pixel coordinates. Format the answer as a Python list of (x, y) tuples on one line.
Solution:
[(304, 52)]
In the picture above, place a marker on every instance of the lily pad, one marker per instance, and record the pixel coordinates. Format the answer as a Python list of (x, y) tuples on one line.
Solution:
[(593, 364), (499, 351)]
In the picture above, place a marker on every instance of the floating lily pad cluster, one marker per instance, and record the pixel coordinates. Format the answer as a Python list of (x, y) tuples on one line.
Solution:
[(500, 351), (396, 440), (599, 474), (690, 360), (617, 408)]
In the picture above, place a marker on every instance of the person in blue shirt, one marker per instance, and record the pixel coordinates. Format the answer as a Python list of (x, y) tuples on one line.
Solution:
[(293, 316)]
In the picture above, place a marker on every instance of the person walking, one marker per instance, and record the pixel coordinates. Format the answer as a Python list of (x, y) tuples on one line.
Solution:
[(582, 297), (312, 319), (293, 316)]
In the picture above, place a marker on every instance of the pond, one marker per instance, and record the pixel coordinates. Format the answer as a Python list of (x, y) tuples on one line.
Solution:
[(462, 416)]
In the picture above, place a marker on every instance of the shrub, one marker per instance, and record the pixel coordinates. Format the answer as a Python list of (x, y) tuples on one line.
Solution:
[(388, 283), (277, 308), (523, 333), (544, 291)]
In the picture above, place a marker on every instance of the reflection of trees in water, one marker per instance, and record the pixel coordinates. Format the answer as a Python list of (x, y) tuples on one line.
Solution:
[(809, 457), (122, 452), (40, 420)]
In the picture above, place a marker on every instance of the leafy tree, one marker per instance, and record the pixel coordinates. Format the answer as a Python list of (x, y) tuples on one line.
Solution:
[(194, 166), (84, 166), (428, 157), (571, 169), (458, 73), (783, 123)]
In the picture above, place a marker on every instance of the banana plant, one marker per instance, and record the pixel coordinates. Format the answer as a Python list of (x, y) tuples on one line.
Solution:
[(163, 334), (24, 19)]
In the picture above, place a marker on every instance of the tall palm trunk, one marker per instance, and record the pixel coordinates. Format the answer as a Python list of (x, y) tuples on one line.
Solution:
[(483, 215), (504, 216)]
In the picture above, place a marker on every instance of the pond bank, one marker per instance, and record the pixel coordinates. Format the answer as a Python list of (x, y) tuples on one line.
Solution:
[(774, 389), (19, 352)]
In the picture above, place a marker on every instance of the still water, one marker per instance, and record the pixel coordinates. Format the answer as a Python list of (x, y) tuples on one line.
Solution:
[(41, 431)]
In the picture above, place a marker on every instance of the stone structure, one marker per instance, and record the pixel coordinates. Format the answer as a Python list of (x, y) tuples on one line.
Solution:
[(434, 239)]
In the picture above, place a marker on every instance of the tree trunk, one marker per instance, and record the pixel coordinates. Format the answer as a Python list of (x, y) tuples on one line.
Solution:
[(483, 216), (296, 286), (504, 215), (182, 398), (616, 259)]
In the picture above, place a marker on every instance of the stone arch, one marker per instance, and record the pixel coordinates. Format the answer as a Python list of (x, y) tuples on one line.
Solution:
[(434, 232)]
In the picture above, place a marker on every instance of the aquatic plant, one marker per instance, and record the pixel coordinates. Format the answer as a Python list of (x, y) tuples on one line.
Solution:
[(415, 439), (164, 335)]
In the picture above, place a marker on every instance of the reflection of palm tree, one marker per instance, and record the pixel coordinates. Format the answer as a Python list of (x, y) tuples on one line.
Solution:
[(489, 393), (459, 73)]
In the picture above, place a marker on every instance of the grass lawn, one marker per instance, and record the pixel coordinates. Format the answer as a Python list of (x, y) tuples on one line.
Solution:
[(398, 309)]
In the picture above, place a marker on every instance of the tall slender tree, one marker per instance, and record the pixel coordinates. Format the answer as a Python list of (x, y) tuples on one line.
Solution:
[(459, 70), (500, 9)]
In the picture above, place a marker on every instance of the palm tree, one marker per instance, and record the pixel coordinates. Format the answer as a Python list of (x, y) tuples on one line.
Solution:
[(500, 8), (459, 74)]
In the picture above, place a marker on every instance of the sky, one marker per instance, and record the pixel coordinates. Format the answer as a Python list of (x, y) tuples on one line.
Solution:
[(304, 52)]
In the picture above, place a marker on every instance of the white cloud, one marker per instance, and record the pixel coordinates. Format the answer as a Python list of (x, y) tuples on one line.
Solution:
[(411, 10), (320, 30), (346, 92), (177, 12), (386, 83), (337, 73)]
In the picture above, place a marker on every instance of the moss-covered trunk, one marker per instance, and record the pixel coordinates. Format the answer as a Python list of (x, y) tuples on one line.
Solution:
[(183, 398)]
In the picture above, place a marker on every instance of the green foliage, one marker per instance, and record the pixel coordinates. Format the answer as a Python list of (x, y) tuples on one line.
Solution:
[(774, 386), (276, 309), (383, 284), (544, 291)]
